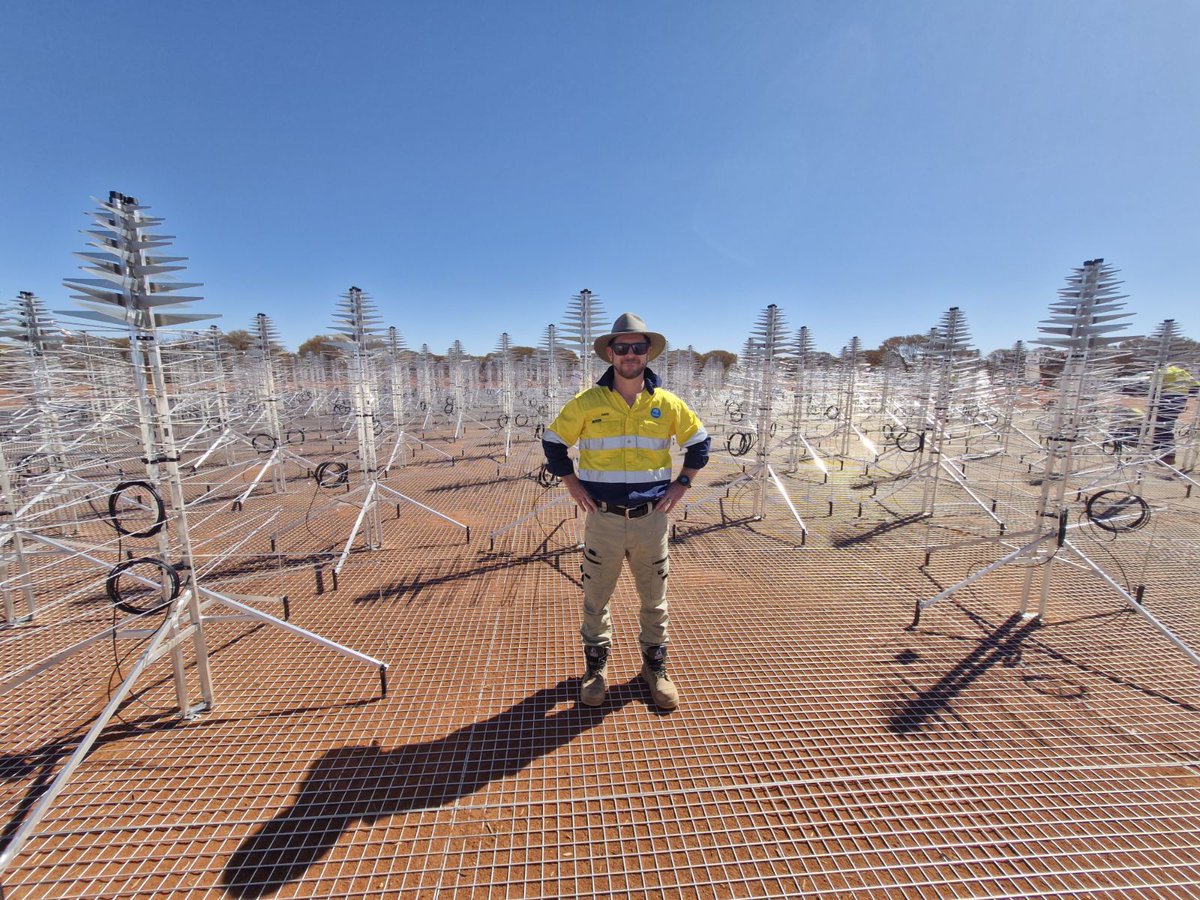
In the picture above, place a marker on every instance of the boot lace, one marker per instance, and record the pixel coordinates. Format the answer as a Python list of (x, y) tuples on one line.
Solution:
[(656, 660), (596, 659)]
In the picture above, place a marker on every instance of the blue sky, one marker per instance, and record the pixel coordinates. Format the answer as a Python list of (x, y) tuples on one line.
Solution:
[(472, 165)]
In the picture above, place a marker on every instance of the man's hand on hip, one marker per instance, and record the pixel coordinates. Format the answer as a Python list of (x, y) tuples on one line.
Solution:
[(674, 494), (579, 493)]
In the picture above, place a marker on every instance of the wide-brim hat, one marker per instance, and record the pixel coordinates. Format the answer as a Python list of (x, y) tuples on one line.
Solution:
[(628, 323)]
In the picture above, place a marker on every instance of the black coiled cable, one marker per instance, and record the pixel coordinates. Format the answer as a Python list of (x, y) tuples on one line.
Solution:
[(152, 602), (909, 441), (1117, 511), (739, 443), (160, 513), (332, 473)]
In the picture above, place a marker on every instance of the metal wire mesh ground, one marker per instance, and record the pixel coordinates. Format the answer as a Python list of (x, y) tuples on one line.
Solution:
[(821, 749)]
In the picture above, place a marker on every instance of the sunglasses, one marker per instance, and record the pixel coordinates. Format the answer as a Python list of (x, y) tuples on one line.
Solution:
[(641, 348)]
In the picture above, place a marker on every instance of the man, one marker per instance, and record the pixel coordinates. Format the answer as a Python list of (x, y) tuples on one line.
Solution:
[(624, 426), (1177, 385)]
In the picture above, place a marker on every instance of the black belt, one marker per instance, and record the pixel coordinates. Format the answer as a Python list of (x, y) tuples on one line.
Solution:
[(629, 512)]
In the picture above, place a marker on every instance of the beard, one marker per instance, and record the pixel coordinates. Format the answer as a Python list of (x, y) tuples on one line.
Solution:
[(630, 367)]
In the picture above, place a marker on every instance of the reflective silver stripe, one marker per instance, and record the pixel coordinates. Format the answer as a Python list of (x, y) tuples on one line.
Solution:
[(624, 442), (636, 477), (548, 435), (696, 438)]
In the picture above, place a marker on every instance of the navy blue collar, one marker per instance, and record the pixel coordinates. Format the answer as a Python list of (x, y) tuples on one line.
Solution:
[(609, 377)]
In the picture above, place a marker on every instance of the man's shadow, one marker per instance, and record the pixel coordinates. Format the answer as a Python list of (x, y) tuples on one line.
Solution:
[(366, 783)]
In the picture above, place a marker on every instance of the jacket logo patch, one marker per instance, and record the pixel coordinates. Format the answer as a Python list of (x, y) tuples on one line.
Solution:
[(596, 421), (656, 413)]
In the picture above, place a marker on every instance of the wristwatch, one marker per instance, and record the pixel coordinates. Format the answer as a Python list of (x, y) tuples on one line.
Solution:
[(685, 481)]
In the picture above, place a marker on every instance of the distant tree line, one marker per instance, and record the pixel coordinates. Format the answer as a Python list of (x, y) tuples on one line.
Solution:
[(899, 350)]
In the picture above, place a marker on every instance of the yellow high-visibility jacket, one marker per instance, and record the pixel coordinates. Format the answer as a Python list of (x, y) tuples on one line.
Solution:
[(625, 451), (1178, 380)]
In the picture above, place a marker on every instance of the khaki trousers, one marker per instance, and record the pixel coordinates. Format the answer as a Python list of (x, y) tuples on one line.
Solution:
[(608, 540)]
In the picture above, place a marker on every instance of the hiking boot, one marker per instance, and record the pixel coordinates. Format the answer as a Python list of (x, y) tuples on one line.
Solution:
[(595, 679), (654, 671)]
